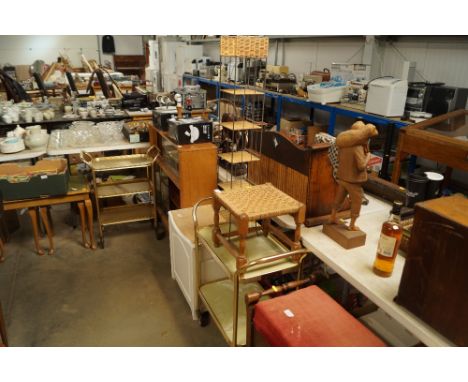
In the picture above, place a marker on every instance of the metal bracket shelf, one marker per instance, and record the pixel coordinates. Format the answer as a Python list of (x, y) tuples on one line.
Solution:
[(334, 110)]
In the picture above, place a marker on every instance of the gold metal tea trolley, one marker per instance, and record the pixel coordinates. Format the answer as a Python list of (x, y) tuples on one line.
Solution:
[(249, 251), (125, 213)]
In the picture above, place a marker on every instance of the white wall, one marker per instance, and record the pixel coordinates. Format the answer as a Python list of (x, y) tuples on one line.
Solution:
[(302, 55), (438, 58), (24, 50)]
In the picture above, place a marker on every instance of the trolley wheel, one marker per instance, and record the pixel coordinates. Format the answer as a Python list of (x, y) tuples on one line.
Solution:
[(204, 319)]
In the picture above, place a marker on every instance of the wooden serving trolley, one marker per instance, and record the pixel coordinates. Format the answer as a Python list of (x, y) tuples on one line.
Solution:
[(250, 251), (126, 213)]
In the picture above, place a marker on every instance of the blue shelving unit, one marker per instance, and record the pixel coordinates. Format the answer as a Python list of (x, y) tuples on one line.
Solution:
[(280, 99), (334, 110)]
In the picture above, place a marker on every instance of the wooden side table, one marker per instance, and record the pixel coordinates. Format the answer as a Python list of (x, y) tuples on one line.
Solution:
[(261, 202), (78, 192)]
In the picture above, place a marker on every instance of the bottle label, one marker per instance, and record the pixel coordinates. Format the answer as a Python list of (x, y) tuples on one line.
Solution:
[(386, 245)]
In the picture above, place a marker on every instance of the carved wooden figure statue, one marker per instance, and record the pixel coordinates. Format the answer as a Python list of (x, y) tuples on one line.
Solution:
[(353, 155)]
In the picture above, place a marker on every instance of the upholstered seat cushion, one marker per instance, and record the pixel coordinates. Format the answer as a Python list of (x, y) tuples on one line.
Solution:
[(310, 317)]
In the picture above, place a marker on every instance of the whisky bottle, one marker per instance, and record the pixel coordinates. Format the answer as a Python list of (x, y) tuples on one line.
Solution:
[(389, 242)]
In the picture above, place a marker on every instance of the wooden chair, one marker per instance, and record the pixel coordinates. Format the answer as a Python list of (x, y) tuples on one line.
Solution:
[(13, 88), (51, 92)]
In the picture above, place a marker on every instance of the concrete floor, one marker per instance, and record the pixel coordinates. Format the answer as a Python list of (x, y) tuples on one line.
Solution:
[(122, 295)]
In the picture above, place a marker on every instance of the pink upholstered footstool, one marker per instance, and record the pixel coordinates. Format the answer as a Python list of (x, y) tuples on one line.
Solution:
[(310, 317)]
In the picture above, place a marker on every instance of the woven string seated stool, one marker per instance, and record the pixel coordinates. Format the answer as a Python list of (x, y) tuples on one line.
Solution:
[(261, 202), (309, 317)]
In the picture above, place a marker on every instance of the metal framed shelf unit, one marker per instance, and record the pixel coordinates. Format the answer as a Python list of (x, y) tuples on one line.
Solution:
[(126, 213), (243, 57), (224, 298)]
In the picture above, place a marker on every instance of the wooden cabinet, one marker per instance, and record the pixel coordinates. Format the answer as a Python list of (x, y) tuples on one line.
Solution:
[(185, 174), (303, 173), (130, 64), (434, 283)]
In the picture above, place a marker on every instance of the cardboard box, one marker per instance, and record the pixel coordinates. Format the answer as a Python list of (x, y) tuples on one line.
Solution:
[(277, 69), (136, 131), (289, 124), (312, 131), (48, 177), (190, 130)]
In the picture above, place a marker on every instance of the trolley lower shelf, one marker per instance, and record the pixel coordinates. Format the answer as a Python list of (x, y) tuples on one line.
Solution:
[(217, 298), (257, 246), (113, 189), (121, 162), (126, 214)]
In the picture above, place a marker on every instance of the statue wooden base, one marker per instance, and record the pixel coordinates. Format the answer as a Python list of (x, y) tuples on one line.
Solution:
[(344, 237)]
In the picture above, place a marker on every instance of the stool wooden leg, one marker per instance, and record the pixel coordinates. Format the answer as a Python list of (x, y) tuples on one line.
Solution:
[(266, 226), (33, 215), (45, 221), (51, 222), (81, 208), (89, 211), (243, 227), (299, 218)]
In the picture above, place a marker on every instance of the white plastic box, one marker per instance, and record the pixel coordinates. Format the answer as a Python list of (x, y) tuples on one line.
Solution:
[(325, 95)]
